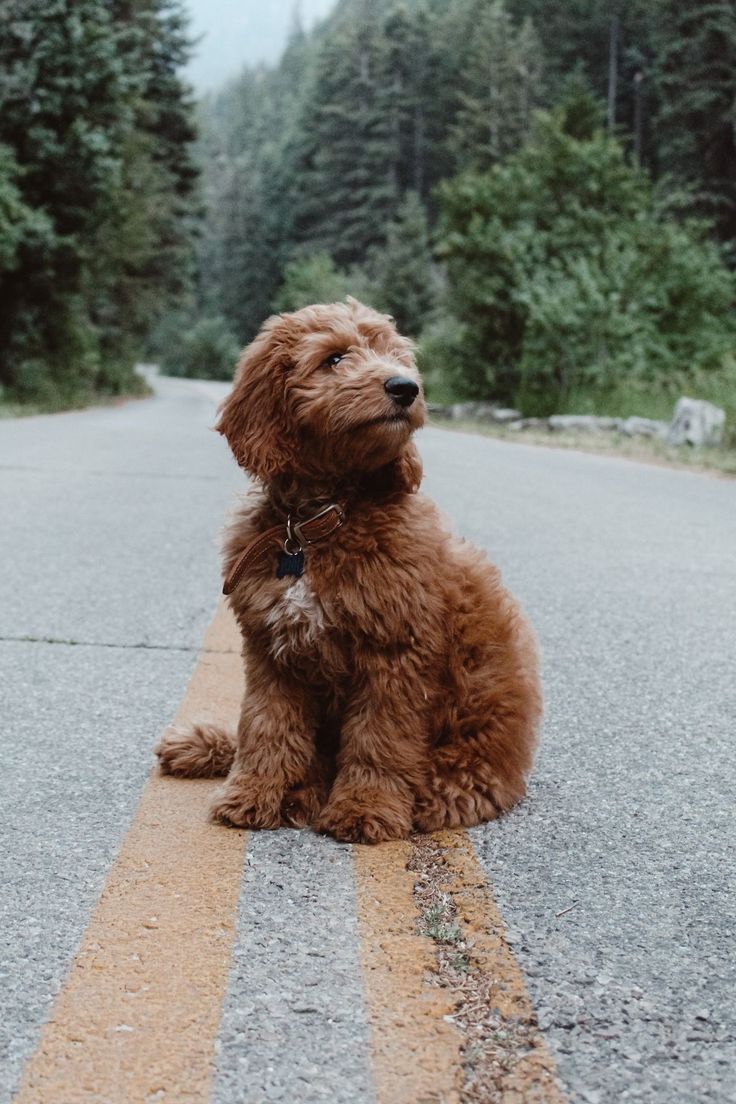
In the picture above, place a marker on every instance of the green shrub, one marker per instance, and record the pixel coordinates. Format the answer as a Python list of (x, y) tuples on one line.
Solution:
[(55, 361), (403, 271), (440, 356), (16, 218), (569, 279), (207, 350), (317, 279)]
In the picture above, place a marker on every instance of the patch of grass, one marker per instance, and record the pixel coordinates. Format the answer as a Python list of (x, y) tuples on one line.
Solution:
[(20, 410), (622, 401), (12, 409), (439, 390), (438, 924), (646, 450)]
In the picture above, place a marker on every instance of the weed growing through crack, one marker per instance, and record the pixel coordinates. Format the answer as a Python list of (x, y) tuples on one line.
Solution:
[(493, 1044), (438, 924)]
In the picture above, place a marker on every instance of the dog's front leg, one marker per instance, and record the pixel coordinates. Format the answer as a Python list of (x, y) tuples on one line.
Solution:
[(382, 758), (275, 778)]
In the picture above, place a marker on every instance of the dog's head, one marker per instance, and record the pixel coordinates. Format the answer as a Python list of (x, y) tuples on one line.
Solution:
[(325, 391)]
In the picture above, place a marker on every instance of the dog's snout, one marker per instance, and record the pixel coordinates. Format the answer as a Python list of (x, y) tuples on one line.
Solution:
[(402, 390)]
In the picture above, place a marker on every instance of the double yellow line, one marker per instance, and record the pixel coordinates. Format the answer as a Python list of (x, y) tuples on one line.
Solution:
[(139, 1011), (138, 1015)]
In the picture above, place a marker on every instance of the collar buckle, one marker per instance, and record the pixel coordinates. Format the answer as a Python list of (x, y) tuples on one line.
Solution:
[(300, 534)]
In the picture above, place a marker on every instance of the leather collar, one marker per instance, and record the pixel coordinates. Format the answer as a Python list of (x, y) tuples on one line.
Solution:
[(290, 536)]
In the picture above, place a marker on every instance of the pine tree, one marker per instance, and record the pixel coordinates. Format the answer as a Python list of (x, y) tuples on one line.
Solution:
[(100, 126), (404, 89), (502, 85), (64, 111), (450, 28), (142, 263), (577, 36), (249, 151), (250, 270), (17, 221), (346, 163), (403, 269), (696, 79)]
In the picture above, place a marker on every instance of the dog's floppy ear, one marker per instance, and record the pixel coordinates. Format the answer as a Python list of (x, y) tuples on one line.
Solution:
[(408, 469), (253, 416)]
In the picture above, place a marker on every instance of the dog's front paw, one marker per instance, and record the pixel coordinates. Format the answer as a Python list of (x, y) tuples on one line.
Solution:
[(302, 804), (248, 802), (358, 817)]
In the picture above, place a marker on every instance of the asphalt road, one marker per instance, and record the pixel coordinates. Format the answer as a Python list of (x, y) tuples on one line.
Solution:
[(616, 878), (108, 545), (629, 574)]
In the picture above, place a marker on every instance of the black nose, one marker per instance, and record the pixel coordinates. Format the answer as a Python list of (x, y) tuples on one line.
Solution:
[(402, 390)]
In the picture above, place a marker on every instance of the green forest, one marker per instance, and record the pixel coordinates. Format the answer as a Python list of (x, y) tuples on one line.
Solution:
[(99, 194), (541, 192)]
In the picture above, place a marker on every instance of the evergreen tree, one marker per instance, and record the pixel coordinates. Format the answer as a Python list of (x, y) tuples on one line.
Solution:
[(500, 87), (449, 29), (98, 122), (142, 262), (64, 111), (577, 34), (18, 223), (250, 268), (347, 159), (696, 79), (404, 77), (403, 269), (248, 153)]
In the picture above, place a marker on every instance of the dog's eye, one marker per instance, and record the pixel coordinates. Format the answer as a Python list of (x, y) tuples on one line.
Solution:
[(332, 360)]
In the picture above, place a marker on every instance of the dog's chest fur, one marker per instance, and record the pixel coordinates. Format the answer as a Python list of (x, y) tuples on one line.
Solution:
[(296, 619)]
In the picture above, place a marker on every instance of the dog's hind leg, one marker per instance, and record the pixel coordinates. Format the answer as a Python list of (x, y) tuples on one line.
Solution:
[(458, 797), (485, 724), (479, 765), (197, 750)]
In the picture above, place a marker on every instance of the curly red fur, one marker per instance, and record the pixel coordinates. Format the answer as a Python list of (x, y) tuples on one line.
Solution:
[(394, 686)]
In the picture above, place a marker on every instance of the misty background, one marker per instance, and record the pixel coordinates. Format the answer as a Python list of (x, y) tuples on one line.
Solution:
[(542, 194), (229, 34)]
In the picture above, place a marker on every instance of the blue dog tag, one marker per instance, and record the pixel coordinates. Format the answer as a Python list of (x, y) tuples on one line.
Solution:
[(290, 564)]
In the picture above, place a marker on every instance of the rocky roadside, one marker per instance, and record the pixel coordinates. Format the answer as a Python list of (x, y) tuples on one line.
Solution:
[(693, 439)]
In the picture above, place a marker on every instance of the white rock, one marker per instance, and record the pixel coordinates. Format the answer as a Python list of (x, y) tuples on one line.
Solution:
[(644, 427), (696, 422), (479, 411), (528, 423), (439, 410), (469, 409), (501, 414), (591, 423)]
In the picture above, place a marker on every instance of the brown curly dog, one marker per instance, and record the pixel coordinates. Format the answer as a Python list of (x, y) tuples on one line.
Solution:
[(391, 680)]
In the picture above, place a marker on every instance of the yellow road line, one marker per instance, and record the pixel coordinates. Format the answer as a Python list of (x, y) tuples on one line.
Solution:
[(531, 1076), (137, 1016), (417, 1042), (415, 1053)]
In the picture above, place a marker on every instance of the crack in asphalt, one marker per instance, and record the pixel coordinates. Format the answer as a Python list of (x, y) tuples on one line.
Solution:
[(142, 646), (102, 471)]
